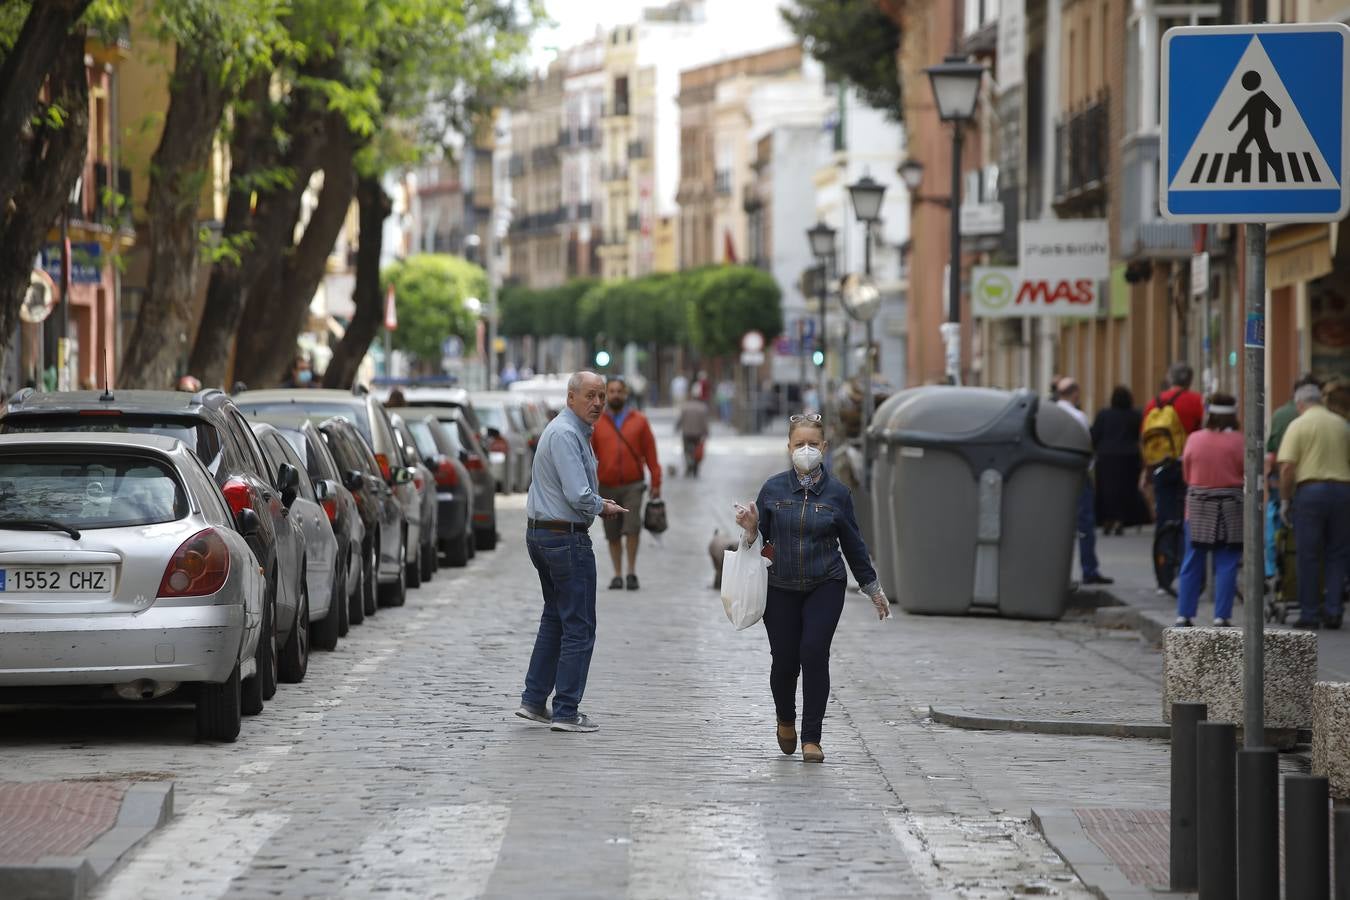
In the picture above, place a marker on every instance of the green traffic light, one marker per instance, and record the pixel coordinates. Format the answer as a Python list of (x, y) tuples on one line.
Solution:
[(602, 358), (818, 358)]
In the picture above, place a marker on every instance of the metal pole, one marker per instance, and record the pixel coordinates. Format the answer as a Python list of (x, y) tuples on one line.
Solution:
[(1342, 859), (1185, 718), (868, 367), (1216, 810), (63, 338), (490, 248), (1306, 866), (1253, 537), (823, 377), (1258, 823), (951, 332)]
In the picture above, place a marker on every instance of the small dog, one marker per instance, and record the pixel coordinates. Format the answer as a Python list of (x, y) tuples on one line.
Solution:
[(717, 547)]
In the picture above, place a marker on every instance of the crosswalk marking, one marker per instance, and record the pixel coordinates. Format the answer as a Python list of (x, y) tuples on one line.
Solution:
[(718, 851), (1269, 169), (441, 852)]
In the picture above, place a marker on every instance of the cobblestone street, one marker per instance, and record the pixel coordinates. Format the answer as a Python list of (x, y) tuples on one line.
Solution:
[(398, 770)]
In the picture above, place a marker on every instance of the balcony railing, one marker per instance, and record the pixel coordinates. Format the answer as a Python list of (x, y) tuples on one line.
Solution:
[(1083, 144), (542, 157), (515, 166), (566, 137), (614, 173), (1143, 233), (588, 135), (584, 212), (634, 222), (722, 182), (105, 202), (637, 149)]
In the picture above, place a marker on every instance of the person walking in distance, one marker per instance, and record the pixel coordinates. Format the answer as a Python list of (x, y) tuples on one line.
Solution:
[(1174, 413), (1279, 424), (806, 519), (624, 444), (1115, 440), (1069, 397), (563, 501), (692, 426), (1212, 464), (1314, 462)]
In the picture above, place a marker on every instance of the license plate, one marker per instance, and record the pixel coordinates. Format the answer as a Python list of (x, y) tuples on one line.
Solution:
[(96, 580)]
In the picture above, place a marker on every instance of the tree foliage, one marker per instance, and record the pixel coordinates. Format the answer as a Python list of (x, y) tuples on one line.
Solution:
[(856, 42), (705, 309), (430, 290)]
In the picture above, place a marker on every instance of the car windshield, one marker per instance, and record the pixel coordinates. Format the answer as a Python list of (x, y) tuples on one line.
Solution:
[(491, 417), (111, 492), (426, 443), (356, 414), (199, 435), (517, 419)]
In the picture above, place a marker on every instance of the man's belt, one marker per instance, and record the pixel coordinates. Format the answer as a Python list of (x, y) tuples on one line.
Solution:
[(557, 525)]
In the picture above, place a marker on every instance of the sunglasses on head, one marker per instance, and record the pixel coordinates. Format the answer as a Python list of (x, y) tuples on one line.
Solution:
[(804, 417)]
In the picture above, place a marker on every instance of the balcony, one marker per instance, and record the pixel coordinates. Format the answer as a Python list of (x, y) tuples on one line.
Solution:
[(614, 173), (751, 201), (1143, 233), (515, 166), (584, 212), (588, 136), (566, 137), (722, 183), (543, 157), (1081, 160), (103, 202), (638, 150), (634, 222), (614, 110)]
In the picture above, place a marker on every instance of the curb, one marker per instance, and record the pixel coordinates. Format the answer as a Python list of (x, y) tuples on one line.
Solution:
[(145, 807), (1148, 623), (1065, 835), (1073, 727)]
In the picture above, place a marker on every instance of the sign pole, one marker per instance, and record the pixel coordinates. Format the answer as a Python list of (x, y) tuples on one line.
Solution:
[(1253, 538)]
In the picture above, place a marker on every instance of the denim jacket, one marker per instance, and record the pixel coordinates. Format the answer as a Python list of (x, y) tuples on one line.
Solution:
[(807, 527)]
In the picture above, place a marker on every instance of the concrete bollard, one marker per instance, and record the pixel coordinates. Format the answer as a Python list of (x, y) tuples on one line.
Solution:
[(1216, 810), (1185, 718), (1258, 816), (1331, 736), (1205, 665)]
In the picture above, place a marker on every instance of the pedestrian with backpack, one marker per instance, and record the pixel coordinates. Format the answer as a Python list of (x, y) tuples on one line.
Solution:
[(1212, 464), (1169, 418)]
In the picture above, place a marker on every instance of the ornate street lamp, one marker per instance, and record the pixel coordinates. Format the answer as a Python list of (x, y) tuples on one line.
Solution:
[(862, 299), (821, 237)]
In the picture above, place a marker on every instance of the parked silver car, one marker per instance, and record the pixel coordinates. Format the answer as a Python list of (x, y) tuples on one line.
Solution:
[(124, 574), (506, 440)]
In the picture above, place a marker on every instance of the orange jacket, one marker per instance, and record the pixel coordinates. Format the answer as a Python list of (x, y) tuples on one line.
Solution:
[(618, 464)]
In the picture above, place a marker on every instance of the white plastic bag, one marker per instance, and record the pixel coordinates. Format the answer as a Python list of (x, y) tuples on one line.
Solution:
[(745, 584)]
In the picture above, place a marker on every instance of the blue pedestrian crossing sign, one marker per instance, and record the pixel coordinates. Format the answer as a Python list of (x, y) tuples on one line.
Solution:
[(1254, 123)]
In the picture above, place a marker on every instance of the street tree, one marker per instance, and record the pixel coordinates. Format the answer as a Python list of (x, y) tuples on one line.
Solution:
[(856, 42), (431, 289), (218, 46), (725, 302)]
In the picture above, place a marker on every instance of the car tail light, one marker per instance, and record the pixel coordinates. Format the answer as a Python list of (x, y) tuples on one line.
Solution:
[(238, 494), (385, 471), (474, 462), (418, 482), (499, 445), (330, 509), (446, 475), (198, 567), (100, 412)]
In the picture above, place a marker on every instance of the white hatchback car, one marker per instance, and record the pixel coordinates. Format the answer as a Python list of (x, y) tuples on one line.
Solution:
[(123, 573)]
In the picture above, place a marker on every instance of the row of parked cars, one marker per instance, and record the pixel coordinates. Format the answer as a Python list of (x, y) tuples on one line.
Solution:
[(158, 544)]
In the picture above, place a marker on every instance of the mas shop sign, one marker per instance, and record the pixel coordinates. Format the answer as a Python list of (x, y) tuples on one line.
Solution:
[(1002, 292)]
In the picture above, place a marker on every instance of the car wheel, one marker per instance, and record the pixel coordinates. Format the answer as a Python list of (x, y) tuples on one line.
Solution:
[(471, 544), (255, 688), (428, 561), (326, 631), (396, 594), (414, 569), (486, 538), (220, 709), (372, 587), (295, 655), (342, 597), (457, 554), (270, 672)]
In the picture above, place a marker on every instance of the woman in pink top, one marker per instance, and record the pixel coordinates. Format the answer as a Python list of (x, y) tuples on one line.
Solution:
[(1212, 464)]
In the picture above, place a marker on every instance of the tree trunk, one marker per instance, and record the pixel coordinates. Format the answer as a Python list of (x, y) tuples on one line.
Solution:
[(42, 40), (53, 162), (159, 340), (252, 150), (265, 354), (375, 208)]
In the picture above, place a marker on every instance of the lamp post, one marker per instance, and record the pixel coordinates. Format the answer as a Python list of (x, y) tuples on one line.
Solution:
[(956, 88), (864, 301), (821, 237)]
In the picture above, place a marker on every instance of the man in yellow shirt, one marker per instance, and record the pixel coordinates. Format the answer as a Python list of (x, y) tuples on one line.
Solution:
[(1314, 462)]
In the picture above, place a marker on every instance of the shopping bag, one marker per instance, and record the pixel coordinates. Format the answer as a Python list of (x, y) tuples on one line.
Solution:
[(745, 584)]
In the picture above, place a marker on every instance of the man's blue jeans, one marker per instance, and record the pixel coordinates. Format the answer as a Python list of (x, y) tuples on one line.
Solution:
[(1321, 531), (1227, 558), (562, 649), (1087, 530)]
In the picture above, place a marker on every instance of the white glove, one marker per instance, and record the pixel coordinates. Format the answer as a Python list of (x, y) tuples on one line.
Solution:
[(1285, 515), (882, 605)]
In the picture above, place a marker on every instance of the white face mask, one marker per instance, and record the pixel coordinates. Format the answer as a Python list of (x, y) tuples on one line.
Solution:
[(806, 459)]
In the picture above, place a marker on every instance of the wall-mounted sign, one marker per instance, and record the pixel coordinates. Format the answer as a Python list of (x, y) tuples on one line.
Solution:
[(86, 262), (1065, 250), (1003, 292), (981, 219)]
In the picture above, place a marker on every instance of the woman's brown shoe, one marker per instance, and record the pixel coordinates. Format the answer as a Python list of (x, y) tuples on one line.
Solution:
[(787, 739), (812, 753)]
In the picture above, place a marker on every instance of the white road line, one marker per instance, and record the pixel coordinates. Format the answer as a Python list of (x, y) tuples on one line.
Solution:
[(718, 851), (442, 852), (197, 855)]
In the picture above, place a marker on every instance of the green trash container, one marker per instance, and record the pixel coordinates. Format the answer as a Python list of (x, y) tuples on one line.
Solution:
[(975, 494)]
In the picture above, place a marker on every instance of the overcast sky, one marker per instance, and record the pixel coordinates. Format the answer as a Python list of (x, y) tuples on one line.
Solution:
[(576, 20)]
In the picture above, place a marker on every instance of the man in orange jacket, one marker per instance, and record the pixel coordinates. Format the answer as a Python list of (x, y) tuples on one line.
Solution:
[(624, 444)]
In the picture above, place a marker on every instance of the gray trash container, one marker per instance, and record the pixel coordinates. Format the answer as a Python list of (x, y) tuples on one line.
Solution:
[(974, 494)]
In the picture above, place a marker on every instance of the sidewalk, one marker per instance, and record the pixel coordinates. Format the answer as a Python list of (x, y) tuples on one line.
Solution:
[(58, 838)]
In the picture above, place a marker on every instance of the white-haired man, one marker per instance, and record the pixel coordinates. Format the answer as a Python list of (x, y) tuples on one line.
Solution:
[(563, 501)]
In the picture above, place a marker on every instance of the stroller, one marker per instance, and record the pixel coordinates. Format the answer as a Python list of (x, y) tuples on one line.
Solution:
[(1283, 596)]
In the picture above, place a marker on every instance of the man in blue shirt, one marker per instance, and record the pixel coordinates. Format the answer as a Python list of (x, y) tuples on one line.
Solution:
[(563, 501)]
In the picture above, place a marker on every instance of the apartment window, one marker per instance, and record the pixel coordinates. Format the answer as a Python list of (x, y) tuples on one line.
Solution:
[(1143, 48), (980, 13)]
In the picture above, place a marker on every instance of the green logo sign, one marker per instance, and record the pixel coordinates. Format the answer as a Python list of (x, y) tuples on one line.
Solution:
[(993, 290)]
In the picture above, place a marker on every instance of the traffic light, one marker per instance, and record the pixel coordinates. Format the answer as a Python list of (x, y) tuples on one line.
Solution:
[(818, 358), (602, 358)]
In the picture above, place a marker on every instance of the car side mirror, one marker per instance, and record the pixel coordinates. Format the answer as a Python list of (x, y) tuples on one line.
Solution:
[(403, 475), (324, 489), (246, 522), (288, 482), (354, 480), (493, 433), (463, 456)]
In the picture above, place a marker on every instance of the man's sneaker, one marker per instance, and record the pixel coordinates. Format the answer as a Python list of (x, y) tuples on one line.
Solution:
[(1182, 622), (1223, 623), (1334, 622), (1098, 578), (632, 582), (534, 713), (1308, 625), (616, 583), (579, 722)]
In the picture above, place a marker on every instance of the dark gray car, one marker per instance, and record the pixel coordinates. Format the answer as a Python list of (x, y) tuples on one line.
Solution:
[(455, 496)]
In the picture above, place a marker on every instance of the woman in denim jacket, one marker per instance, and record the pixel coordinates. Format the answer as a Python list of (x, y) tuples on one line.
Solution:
[(806, 517)]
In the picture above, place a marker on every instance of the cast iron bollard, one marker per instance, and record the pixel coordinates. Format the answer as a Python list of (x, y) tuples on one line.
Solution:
[(1185, 716), (1258, 823), (1216, 809), (1342, 862), (1307, 869)]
